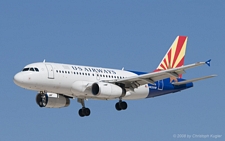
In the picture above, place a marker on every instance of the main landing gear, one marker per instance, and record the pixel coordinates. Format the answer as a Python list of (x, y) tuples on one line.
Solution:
[(83, 111), (121, 105)]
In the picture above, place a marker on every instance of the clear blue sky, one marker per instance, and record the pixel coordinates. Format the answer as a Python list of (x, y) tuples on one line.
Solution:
[(115, 34)]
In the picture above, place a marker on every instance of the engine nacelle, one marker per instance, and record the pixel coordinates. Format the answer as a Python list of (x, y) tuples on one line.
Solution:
[(52, 100), (106, 90)]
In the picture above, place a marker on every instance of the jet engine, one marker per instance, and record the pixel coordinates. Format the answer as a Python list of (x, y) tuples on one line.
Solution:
[(106, 90), (52, 100)]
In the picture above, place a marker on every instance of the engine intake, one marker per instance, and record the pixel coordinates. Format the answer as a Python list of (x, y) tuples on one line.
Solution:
[(95, 89), (52, 100)]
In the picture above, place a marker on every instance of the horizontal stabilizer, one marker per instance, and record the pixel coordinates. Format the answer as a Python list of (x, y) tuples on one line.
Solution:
[(193, 80)]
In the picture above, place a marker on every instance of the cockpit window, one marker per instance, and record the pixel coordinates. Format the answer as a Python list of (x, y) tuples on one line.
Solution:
[(25, 69), (31, 69), (36, 69)]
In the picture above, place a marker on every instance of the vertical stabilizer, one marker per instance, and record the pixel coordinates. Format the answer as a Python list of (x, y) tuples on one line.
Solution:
[(175, 55)]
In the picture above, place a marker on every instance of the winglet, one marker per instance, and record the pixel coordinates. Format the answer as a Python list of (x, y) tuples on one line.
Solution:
[(208, 62)]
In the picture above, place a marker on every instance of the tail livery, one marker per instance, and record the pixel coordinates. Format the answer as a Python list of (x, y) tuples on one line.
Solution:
[(175, 55)]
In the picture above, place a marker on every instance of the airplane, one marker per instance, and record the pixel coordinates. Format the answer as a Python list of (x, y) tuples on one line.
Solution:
[(57, 83)]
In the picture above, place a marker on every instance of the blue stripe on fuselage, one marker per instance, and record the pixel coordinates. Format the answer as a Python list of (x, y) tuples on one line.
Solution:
[(164, 86)]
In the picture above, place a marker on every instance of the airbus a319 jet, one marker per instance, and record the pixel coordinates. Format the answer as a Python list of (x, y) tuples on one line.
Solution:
[(57, 83)]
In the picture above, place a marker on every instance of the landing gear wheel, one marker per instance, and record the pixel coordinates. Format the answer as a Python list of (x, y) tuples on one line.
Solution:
[(122, 105), (81, 113), (118, 106), (86, 111)]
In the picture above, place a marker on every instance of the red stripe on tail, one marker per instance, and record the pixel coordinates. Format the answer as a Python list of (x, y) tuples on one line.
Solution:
[(180, 43)]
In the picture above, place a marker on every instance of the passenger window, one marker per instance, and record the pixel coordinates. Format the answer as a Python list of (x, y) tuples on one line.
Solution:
[(62, 71), (57, 71), (68, 72)]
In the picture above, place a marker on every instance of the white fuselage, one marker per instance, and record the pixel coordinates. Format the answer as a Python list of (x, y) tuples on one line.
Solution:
[(60, 79)]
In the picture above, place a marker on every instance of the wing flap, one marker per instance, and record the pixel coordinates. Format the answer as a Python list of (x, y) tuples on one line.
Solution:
[(193, 80)]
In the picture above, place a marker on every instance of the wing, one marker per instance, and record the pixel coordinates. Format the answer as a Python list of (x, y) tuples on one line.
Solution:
[(136, 81)]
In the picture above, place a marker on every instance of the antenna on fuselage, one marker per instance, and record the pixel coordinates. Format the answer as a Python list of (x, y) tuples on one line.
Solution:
[(122, 68), (44, 61)]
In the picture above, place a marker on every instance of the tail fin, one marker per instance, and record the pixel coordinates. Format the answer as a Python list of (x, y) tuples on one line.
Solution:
[(175, 55)]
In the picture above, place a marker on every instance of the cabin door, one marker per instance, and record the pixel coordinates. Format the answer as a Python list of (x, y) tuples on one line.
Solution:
[(50, 71)]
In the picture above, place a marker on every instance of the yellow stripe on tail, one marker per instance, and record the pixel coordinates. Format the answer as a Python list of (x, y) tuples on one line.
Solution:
[(175, 55)]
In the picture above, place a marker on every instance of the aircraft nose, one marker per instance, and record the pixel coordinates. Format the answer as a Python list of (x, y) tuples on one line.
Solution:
[(18, 79)]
